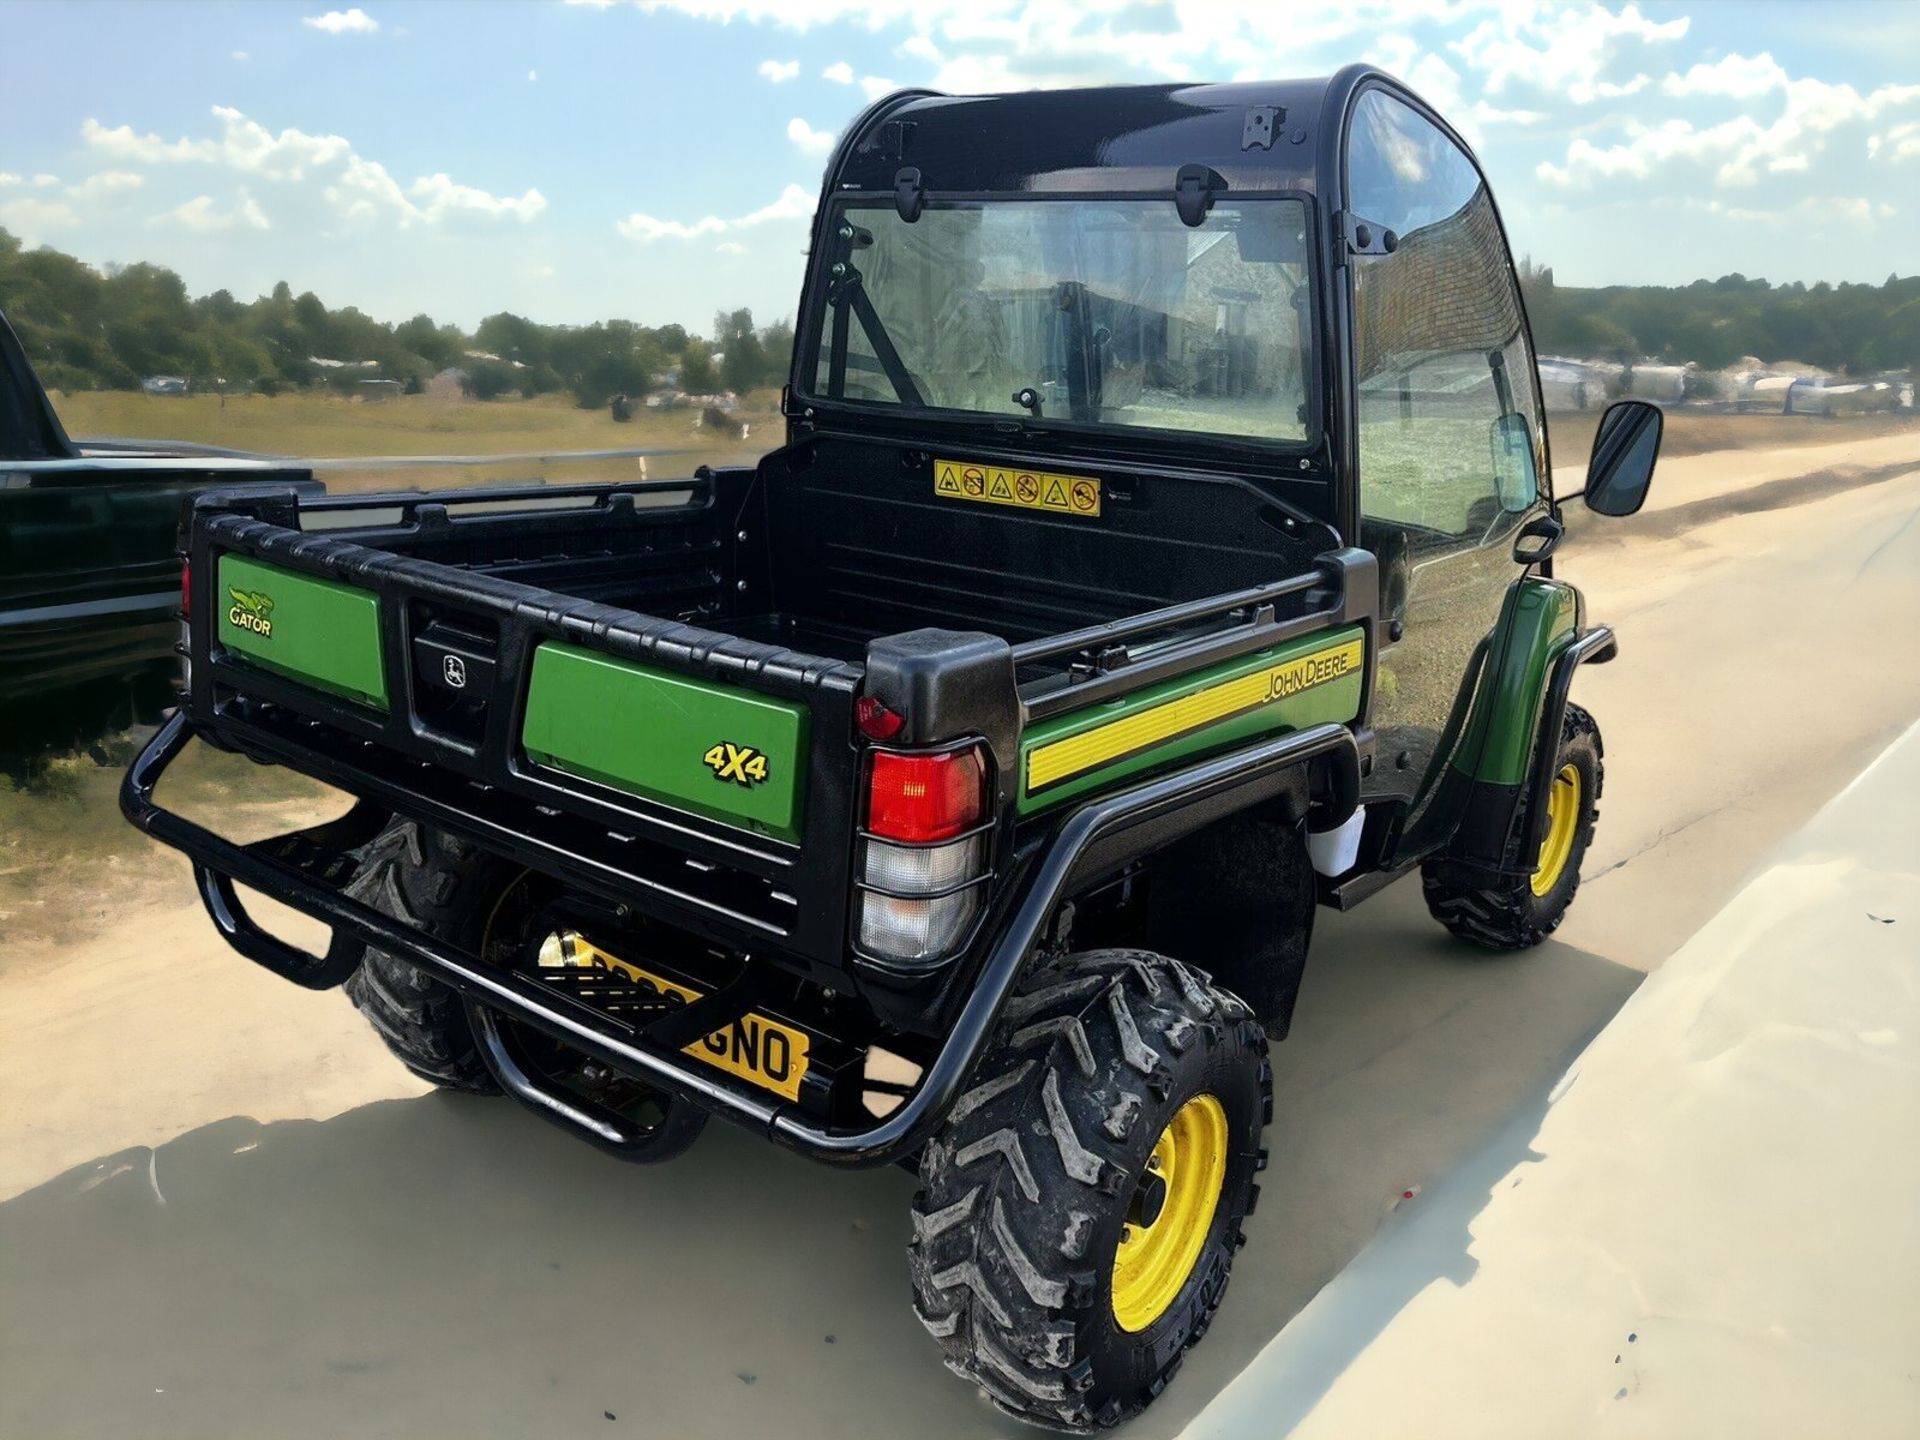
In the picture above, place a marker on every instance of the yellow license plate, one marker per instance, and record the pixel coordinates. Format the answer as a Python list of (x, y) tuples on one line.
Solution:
[(755, 1047)]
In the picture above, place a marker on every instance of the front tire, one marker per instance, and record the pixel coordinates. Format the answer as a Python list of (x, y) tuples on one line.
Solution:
[(1519, 911), (1080, 1211)]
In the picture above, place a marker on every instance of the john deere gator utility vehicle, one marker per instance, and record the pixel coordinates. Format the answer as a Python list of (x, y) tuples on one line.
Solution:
[(955, 787)]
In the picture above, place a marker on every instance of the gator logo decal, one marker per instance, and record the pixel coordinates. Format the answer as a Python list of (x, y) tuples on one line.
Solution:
[(741, 764), (251, 610)]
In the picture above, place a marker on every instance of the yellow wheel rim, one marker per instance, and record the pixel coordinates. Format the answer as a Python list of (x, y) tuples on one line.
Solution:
[(1563, 823), (1170, 1213)]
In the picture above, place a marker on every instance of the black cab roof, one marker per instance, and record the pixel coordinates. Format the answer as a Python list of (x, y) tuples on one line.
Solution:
[(1260, 135)]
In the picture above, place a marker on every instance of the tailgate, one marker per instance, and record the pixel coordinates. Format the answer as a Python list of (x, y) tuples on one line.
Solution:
[(623, 751)]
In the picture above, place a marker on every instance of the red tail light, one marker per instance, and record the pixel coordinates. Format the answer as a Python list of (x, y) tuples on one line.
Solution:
[(875, 720), (186, 589), (924, 798)]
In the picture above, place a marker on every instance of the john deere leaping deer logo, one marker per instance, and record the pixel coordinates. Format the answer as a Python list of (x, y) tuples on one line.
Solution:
[(741, 764), (251, 611)]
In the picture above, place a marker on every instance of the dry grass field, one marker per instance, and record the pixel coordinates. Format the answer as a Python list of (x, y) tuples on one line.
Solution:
[(314, 426), (311, 426)]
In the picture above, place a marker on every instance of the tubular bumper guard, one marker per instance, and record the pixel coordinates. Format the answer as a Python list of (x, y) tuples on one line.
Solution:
[(1182, 800)]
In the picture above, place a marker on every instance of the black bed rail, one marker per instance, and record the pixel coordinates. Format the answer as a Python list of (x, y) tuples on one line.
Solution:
[(1094, 639), (1341, 589), (410, 502)]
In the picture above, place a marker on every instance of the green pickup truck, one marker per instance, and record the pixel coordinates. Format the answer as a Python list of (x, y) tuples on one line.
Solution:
[(956, 787)]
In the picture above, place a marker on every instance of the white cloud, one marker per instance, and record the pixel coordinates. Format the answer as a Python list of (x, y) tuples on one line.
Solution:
[(779, 71), (356, 187), (240, 55), (795, 203), (1740, 148), (1571, 103), (1565, 52), (1023, 44), (1493, 115), (810, 140), (202, 216), (919, 47), (1739, 76), (29, 217), (246, 144), (107, 182), (439, 197), (878, 85), (1901, 142), (532, 75), (121, 143), (1815, 211), (243, 144), (31, 214), (342, 22), (730, 247)]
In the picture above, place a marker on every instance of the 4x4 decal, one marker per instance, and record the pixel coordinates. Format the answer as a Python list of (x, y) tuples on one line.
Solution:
[(741, 764)]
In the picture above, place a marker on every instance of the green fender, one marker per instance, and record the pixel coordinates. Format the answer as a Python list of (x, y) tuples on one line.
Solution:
[(1537, 621)]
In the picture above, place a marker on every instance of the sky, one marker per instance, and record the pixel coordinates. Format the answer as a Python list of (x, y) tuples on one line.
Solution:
[(657, 160)]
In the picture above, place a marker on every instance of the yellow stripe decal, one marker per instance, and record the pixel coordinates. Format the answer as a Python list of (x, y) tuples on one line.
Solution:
[(1063, 759)]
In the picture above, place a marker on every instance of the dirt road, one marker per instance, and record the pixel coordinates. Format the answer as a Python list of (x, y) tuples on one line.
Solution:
[(314, 1247)]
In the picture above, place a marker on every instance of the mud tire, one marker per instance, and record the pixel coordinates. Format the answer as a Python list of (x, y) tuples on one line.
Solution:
[(1508, 915), (441, 885), (1024, 1191)]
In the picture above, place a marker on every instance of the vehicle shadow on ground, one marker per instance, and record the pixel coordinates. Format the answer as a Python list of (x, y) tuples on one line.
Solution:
[(452, 1265)]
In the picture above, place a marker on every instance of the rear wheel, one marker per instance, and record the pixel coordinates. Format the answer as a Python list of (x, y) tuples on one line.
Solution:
[(440, 885), (478, 903), (1519, 911), (1079, 1213)]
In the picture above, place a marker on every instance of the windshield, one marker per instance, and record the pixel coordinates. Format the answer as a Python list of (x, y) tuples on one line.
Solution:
[(1095, 312)]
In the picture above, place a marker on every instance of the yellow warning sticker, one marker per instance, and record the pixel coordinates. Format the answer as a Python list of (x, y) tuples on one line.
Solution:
[(1023, 489)]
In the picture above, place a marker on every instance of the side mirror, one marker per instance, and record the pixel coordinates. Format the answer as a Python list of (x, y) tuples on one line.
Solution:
[(1624, 449), (1514, 479)]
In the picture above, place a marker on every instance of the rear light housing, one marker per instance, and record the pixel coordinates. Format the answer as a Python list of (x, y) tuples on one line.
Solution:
[(927, 796), (924, 854)]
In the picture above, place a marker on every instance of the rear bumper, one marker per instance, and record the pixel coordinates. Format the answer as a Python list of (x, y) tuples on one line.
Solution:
[(1087, 843)]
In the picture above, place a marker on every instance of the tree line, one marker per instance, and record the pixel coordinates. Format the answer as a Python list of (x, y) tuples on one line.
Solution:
[(93, 329), (89, 329), (1859, 329)]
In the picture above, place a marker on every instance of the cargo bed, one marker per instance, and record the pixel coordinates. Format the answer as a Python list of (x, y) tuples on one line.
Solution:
[(543, 670)]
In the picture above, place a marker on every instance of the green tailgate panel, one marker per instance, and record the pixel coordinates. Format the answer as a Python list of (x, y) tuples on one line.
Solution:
[(318, 632), (711, 749)]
